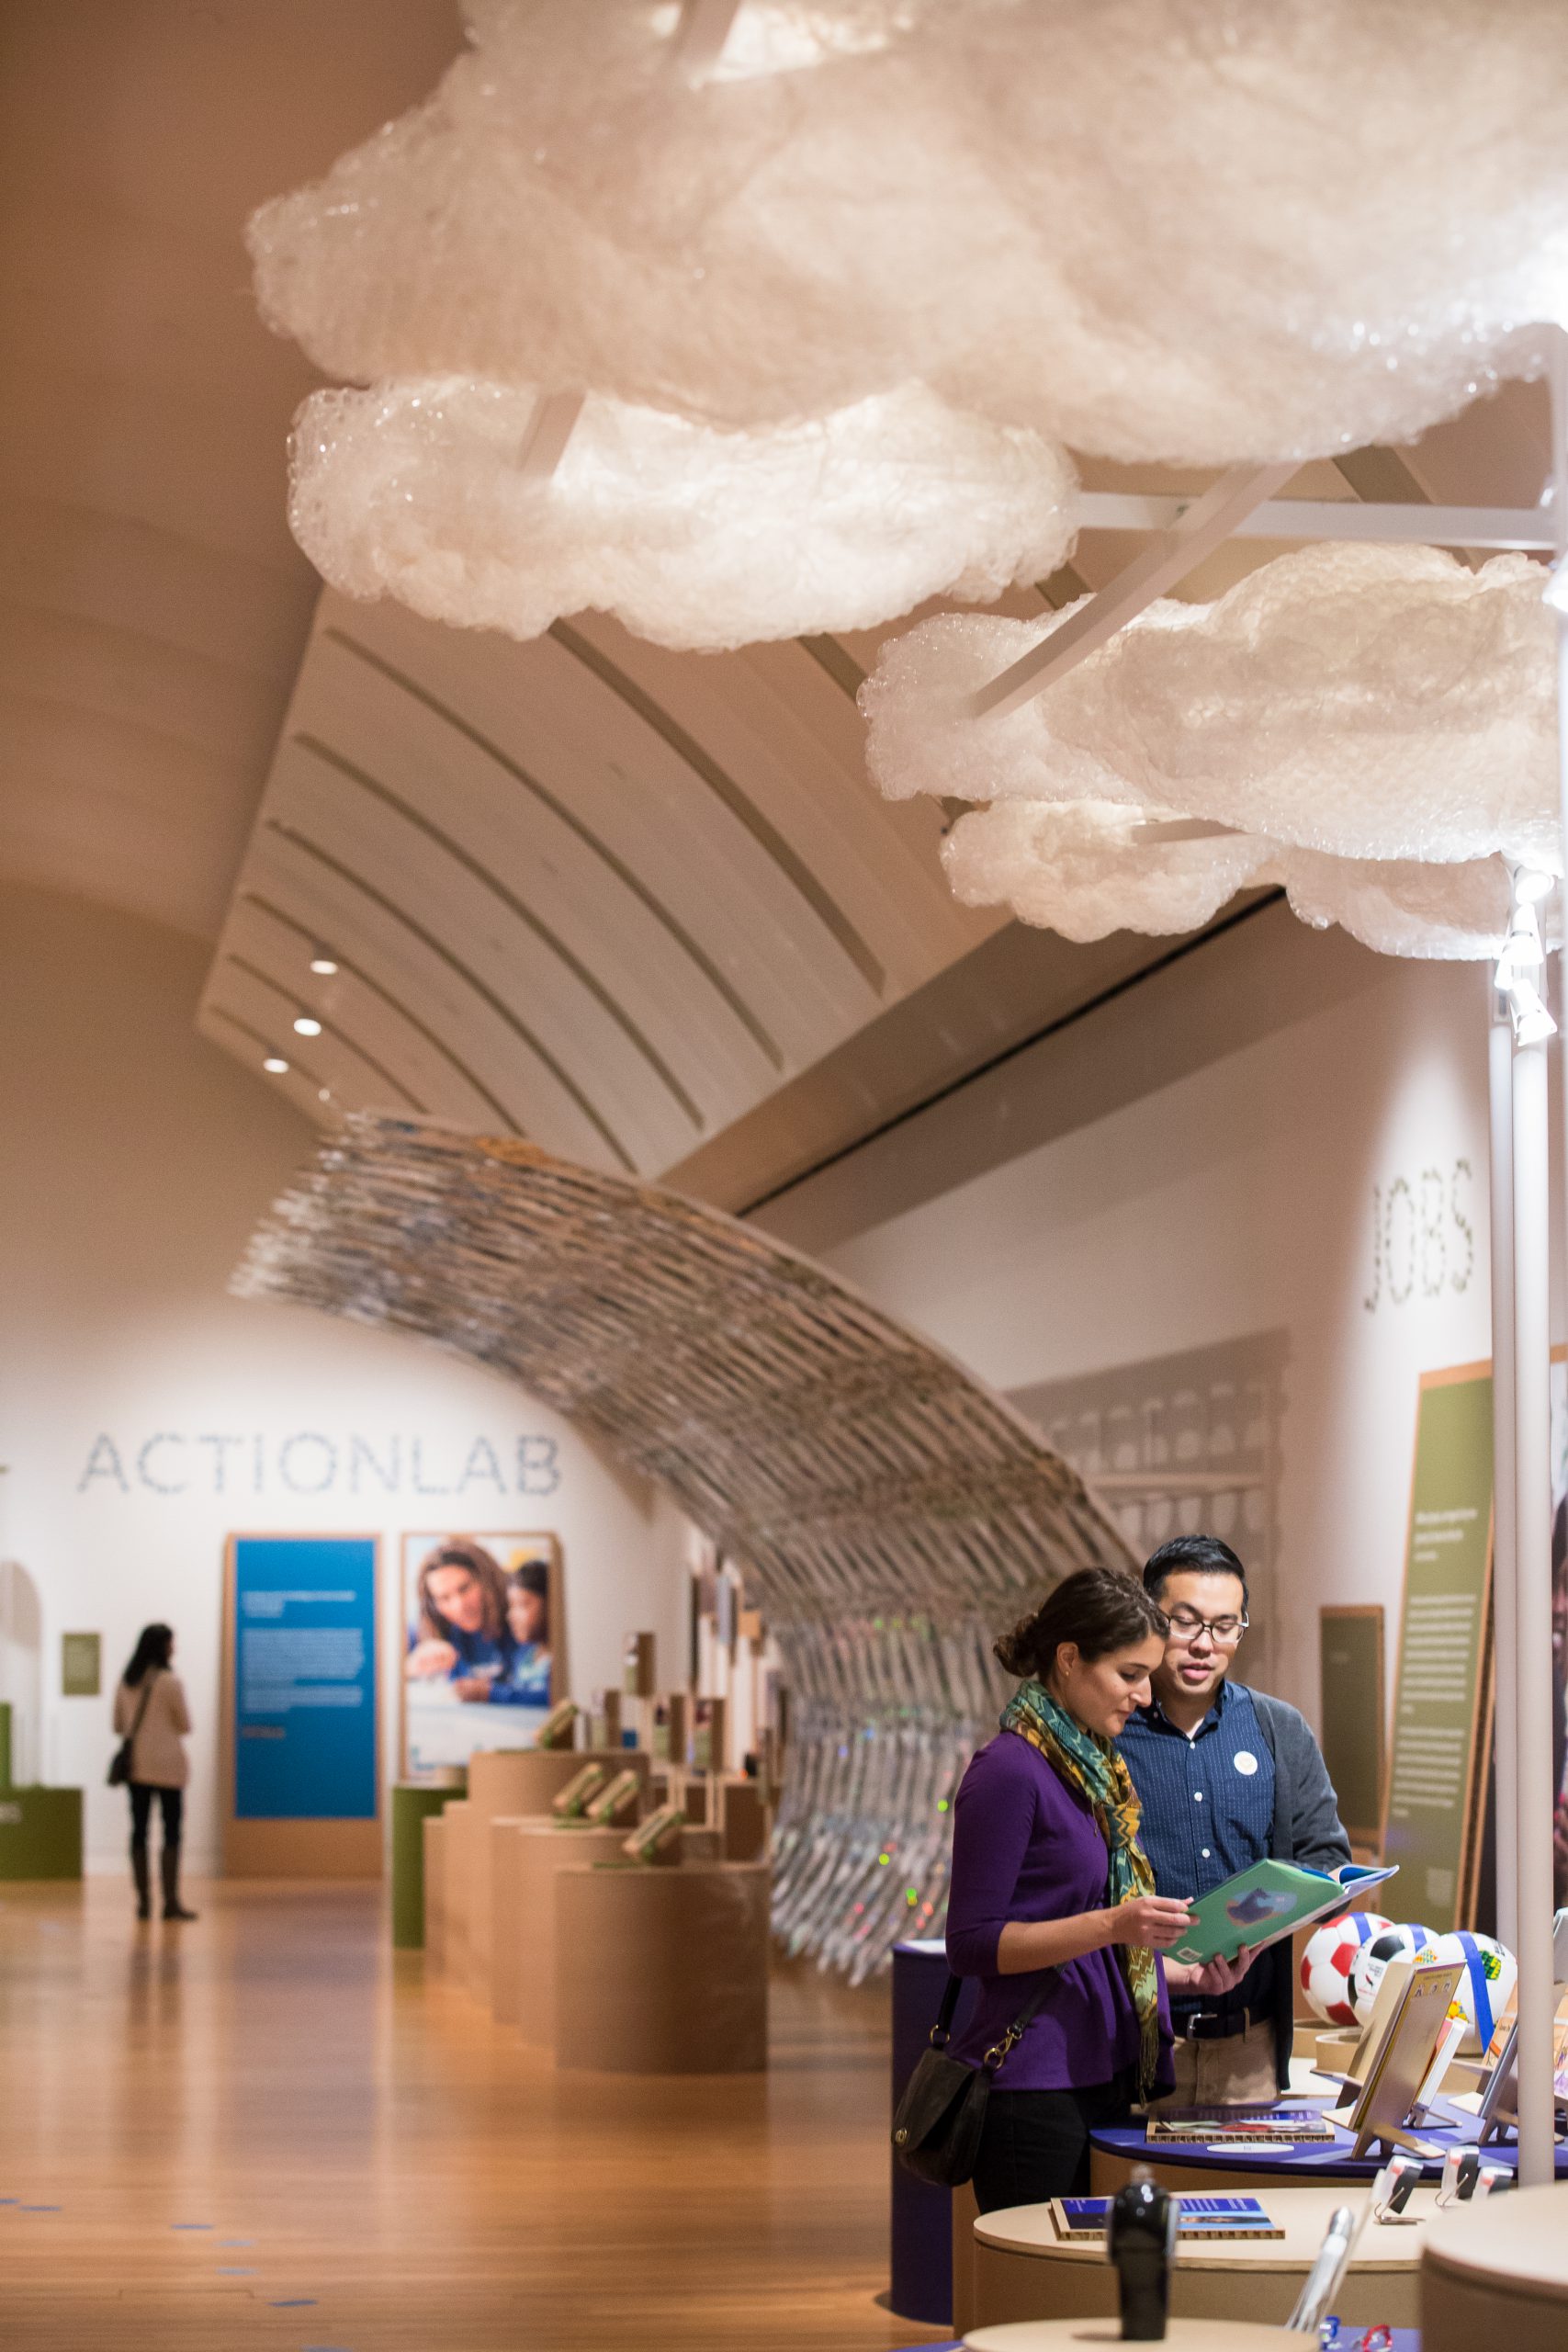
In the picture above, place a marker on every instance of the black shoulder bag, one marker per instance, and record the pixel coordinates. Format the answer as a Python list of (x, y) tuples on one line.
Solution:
[(120, 1763), (936, 2130)]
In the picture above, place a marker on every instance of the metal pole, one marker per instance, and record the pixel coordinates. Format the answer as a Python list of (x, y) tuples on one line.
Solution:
[(1532, 1538), (1506, 1783)]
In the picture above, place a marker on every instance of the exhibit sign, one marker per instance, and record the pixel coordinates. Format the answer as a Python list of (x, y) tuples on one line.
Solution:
[(302, 1622), (1442, 1703), (1350, 1642), (482, 1618), (80, 1666)]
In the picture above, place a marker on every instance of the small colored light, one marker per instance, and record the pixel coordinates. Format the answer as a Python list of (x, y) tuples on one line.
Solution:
[(275, 1066), (323, 964), (307, 1026), (885, 1858), (941, 1805)]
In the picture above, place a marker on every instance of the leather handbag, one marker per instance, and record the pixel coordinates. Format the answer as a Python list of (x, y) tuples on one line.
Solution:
[(937, 2125), (120, 1763)]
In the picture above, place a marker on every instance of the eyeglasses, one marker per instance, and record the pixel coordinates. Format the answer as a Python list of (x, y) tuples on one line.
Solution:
[(1186, 1626)]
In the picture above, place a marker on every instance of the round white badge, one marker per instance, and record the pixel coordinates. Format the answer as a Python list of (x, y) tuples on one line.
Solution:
[(1245, 1762)]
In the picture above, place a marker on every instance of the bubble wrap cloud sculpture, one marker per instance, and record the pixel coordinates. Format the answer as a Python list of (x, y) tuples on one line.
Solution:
[(1196, 229), (1373, 727), (893, 1512), (691, 538)]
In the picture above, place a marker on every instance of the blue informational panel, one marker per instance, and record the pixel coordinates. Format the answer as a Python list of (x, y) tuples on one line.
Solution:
[(305, 1747)]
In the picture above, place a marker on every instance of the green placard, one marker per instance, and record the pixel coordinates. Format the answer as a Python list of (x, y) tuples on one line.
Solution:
[(40, 1833), (1430, 1828), (80, 1666), (1350, 1644)]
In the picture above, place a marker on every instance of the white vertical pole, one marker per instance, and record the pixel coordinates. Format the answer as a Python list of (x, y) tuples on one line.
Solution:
[(1500, 1076), (1532, 1538)]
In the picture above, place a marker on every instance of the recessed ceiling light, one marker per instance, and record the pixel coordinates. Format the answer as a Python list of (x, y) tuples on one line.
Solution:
[(307, 1026), (323, 1094), (324, 963), (275, 1066)]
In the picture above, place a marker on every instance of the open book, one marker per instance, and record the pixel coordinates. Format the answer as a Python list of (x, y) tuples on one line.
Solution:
[(1270, 1899)]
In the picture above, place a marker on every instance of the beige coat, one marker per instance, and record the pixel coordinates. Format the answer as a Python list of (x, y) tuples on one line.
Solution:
[(157, 1757)]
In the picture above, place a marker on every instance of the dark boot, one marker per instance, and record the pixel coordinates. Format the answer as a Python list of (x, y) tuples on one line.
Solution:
[(141, 1872), (173, 1907)]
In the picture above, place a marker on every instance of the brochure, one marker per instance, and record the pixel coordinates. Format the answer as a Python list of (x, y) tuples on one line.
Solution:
[(1198, 2217), (1253, 2127), (1272, 1900)]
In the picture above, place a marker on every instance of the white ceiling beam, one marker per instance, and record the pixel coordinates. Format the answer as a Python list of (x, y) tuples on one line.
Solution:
[(550, 429), (1177, 549), (1526, 528), (701, 33)]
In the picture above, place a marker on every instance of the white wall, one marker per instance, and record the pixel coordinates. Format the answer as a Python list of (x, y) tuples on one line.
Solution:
[(1239, 1199), (134, 1160)]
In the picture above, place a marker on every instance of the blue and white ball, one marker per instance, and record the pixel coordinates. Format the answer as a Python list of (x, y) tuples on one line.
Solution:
[(1368, 1968), (1490, 1973), (1326, 1963)]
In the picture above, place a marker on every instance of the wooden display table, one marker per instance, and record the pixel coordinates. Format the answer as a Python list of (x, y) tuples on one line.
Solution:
[(501, 1781), (1022, 2270), (1182, 2336), (1498, 2274), (662, 1970)]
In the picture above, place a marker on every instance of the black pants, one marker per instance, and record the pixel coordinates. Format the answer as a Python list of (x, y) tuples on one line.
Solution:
[(172, 1801), (1035, 2143)]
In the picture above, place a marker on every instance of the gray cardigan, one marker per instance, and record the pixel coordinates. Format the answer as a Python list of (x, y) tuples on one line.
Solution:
[(1306, 1829)]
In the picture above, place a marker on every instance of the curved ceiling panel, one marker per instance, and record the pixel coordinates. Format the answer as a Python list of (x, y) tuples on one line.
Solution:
[(606, 896), (889, 1510)]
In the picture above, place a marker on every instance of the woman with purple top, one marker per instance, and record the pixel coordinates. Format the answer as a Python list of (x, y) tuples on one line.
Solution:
[(1052, 1893)]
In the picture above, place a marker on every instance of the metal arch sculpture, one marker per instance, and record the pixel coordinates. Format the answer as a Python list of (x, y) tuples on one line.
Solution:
[(887, 1505)]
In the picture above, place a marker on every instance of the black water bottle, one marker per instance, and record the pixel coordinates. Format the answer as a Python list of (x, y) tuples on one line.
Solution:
[(1140, 2234)]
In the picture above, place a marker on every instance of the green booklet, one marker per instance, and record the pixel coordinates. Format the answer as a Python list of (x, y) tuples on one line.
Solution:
[(1270, 1899)]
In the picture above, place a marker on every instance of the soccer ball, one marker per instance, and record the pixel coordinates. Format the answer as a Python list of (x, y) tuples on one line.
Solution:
[(1490, 1973), (1326, 1962), (1367, 1968)]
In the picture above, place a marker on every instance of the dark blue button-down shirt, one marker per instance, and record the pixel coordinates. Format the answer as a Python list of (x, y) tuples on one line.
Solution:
[(1208, 1809)]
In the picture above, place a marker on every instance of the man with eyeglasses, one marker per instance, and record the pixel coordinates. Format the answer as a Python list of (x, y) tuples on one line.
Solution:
[(1226, 1776)]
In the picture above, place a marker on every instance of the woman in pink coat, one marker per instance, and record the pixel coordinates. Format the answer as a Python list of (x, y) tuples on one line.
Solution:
[(150, 1711)]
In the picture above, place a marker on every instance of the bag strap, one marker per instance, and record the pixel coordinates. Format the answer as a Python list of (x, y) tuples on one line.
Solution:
[(994, 2057), (145, 1701)]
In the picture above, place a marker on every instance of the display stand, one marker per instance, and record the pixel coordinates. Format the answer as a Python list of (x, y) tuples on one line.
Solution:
[(501, 1781), (413, 1802), (526, 1857), (1399, 2070), (662, 1971), (1022, 2270), (435, 1833), (40, 1833)]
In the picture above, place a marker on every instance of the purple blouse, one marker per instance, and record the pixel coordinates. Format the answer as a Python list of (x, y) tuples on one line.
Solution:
[(1025, 1845)]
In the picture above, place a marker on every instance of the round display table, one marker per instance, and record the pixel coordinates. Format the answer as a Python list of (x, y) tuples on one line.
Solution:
[(1181, 2334), (1498, 2274), (527, 1857), (1197, 2167), (1022, 2270), (663, 1968)]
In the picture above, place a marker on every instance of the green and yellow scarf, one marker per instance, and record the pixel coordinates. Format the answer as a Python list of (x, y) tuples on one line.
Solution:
[(1092, 1766)]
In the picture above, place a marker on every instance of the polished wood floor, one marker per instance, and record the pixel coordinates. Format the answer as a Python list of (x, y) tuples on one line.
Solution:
[(263, 2131)]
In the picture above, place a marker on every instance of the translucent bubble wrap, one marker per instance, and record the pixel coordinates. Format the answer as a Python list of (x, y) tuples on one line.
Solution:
[(1375, 726), (1198, 229), (691, 537)]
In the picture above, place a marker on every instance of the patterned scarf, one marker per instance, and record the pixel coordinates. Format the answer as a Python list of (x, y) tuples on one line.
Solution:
[(1092, 1766)]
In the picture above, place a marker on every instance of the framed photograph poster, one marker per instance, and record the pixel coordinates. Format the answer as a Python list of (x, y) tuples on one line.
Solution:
[(481, 1626)]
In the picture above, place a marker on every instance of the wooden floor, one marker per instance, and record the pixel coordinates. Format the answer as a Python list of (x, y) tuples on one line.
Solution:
[(263, 2131)]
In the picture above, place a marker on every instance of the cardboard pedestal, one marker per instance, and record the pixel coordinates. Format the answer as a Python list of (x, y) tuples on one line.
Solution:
[(435, 1835), (745, 1816), (662, 1971), (526, 1859), (40, 1833), (1498, 2274), (501, 1781), (412, 1804)]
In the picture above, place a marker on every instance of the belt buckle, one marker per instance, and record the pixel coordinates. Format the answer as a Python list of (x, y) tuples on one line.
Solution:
[(1196, 2018)]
